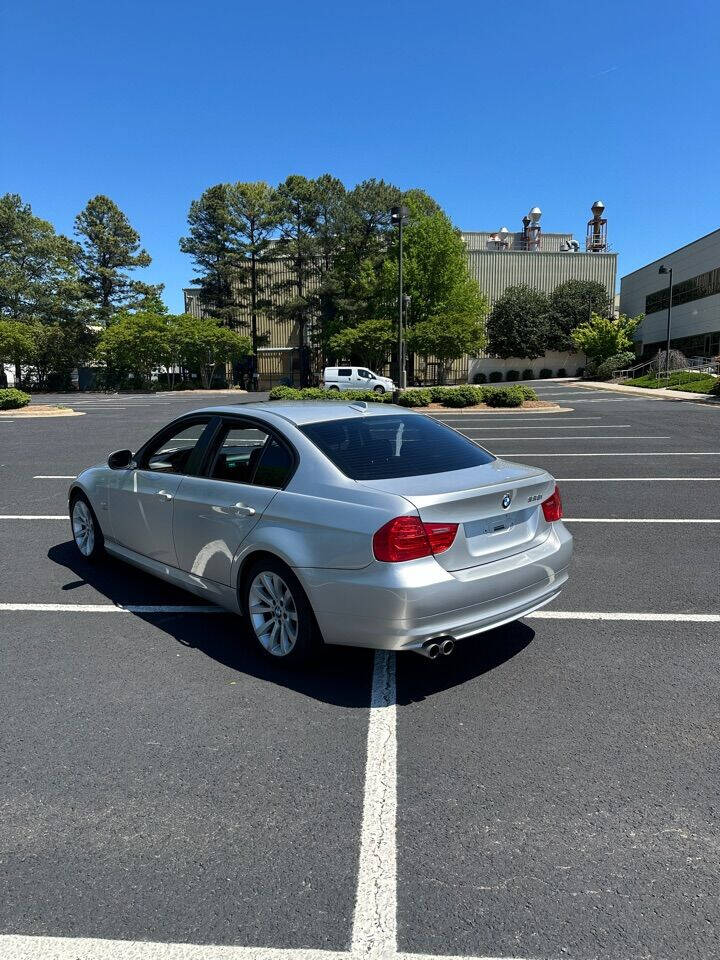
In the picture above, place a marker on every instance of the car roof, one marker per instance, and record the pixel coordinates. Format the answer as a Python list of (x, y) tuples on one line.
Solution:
[(299, 412)]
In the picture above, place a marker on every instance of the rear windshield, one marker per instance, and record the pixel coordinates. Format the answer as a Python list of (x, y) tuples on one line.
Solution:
[(384, 447)]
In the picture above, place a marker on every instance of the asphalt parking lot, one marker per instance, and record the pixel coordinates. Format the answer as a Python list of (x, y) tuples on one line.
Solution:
[(549, 791)]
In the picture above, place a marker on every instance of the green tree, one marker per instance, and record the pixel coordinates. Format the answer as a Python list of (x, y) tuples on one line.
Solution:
[(202, 343), (110, 248), (518, 323), (457, 329), (371, 340), (602, 337), (38, 276), (210, 243), (571, 304), (134, 344), (298, 212), (16, 343), (252, 210)]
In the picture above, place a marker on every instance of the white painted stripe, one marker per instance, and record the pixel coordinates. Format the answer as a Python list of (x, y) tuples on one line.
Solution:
[(636, 479), (632, 617), (501, 418), (107, 608), (551, 426), (637, 453), (634, 520), (13, 947), (33, 516), (55, 476), (654, 436), (375, 924)]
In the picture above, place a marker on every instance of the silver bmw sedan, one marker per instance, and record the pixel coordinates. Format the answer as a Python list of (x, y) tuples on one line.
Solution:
[(345, 523)]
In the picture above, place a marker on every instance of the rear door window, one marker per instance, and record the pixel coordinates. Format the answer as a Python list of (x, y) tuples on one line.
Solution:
[(384, 447), (344, 372)]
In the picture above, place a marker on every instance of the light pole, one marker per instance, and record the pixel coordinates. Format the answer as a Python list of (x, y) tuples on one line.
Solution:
[(668, 270), (400, 216)]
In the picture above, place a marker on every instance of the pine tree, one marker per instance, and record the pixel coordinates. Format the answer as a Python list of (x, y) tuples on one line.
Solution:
[(109, 248)]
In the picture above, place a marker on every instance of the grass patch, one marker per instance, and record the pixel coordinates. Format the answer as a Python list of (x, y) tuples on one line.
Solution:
[(684, 380)]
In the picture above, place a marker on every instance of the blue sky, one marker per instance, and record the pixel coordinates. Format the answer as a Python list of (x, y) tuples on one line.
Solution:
[(490, 107)]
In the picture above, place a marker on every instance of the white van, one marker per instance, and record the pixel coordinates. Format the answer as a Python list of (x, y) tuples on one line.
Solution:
[(356, 378)]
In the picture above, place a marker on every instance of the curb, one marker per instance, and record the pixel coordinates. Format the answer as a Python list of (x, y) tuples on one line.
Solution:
[(659, 394)]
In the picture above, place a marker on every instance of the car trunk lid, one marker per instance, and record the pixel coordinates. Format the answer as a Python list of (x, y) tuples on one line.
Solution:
[(496, 506)]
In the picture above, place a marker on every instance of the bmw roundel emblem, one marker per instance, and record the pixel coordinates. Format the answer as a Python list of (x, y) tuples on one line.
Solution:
[(506, 501)]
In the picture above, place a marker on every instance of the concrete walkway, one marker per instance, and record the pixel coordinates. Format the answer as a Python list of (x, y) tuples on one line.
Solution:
[(658, 394)]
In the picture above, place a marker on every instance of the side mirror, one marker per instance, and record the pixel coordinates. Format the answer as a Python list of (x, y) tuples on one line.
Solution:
[(120, 459)]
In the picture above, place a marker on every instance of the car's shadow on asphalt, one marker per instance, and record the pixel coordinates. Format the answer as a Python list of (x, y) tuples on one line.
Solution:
[(420, 678), (338, 675)]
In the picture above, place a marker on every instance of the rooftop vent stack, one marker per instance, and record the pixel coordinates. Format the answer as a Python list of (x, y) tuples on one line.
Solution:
[(533, 230), (596, 238), (526, 224)]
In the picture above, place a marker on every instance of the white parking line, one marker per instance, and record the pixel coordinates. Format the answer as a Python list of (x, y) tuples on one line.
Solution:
[(551, 426), (654, 436), (108, 608), (55, 476), (91, 948), (375, 923), (632, 617), (637, 453), (634, 520), (33, 516), (636, 479)]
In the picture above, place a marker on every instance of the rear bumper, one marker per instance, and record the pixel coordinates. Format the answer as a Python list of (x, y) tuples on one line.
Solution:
[(400, 606)]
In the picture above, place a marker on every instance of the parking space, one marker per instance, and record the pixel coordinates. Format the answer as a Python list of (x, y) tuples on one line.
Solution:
[(547, 791)]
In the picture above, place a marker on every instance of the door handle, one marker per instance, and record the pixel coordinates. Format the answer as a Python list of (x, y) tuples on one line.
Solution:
[(244, 511), (165, 494)]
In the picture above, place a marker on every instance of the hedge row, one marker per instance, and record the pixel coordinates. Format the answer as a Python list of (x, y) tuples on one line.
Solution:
[(12, 399), (447, 396), (513, 375)]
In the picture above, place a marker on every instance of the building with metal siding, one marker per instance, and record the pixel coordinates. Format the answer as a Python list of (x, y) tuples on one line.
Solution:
[(496, 270), (696, 299), (496, 266)]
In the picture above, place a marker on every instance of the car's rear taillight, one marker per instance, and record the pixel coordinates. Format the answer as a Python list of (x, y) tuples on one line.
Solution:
[(552, 507), (408, 538)]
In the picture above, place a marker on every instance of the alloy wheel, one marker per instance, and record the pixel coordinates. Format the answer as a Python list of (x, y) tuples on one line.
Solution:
[(273, 613), (83, 528)]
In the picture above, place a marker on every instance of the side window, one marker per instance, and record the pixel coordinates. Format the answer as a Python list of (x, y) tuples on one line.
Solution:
[(238, 454), (344, 372), (173, 453), (275, 466)]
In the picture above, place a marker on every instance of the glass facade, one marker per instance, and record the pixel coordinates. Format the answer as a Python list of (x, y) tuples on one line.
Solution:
[(704, 285)]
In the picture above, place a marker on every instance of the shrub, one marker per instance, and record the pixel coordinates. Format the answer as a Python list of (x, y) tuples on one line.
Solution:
[(503, 396), (527, 374), (415, 398), (463, 397), (12, 399), (512, 375), (562, 372), (589, 370), (580, 372), (495, 376), (527, 392), (606, 369), (284, 393), (438, 394), (714, 391), (479, 378), (318, 393), (545, 374)]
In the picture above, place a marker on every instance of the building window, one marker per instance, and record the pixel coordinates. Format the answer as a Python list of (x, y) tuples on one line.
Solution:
[(704, 285)]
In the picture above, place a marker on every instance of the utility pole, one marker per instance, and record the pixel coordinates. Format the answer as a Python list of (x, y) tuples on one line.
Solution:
[(400, 216)]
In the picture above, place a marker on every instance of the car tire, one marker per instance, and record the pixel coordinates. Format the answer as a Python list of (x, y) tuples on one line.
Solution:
[(334, 386), (86, 532), (278, 613), (379, 389)]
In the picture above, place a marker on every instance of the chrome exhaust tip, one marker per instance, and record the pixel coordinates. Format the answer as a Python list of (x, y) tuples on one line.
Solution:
[(430, 649), (447, 646)]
